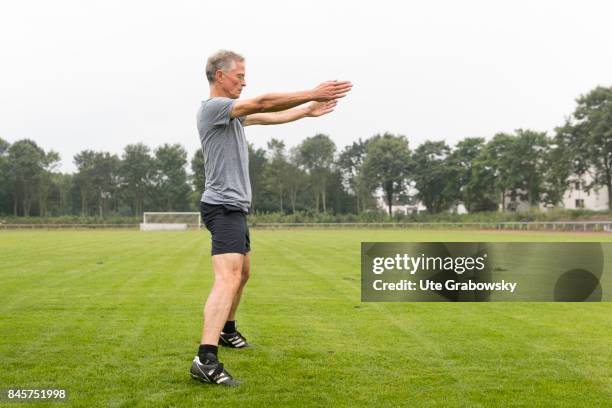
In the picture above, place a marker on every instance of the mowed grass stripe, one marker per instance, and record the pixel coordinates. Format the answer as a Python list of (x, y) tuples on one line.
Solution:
[(134, 329), (93, 292), (525, 347), (394, 324), (390, 330)]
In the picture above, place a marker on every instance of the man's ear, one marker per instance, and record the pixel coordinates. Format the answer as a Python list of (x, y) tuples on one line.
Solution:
[(219, 76)]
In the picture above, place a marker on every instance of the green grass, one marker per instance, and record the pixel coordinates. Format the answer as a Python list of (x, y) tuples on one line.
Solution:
[(114, 317)]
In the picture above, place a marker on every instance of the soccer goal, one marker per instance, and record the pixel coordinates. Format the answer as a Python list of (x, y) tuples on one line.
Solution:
[(170, 221)]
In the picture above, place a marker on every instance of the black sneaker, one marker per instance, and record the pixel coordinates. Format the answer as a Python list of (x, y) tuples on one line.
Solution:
[(233, 340), (211, 371)]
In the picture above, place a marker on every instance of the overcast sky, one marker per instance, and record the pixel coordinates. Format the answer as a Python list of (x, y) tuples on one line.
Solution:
[(99, 75)]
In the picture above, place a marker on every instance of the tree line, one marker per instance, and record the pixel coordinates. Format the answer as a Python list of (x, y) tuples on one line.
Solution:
[(314, 176)]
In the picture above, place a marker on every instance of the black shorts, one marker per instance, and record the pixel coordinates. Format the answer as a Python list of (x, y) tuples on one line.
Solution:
[(228, 226)]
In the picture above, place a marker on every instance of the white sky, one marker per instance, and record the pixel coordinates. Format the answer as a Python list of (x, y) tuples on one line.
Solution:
[(99, 75)]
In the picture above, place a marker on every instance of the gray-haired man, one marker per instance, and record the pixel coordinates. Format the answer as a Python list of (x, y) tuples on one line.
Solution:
[(227, 195)]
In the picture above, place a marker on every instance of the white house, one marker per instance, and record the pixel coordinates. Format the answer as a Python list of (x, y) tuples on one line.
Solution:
[(576, 197)]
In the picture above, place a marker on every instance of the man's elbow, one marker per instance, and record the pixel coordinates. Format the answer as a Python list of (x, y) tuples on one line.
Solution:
[(267, 103), (248, 107), (262, 104)]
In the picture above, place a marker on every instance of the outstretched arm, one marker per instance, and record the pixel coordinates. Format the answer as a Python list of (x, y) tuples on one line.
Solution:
[(311, 110), (276, 102)]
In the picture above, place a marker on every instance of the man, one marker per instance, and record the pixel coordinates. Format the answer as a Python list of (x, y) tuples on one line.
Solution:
[(227, 195)]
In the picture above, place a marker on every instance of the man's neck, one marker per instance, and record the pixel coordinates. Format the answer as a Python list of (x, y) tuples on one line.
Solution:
[(216, 92)]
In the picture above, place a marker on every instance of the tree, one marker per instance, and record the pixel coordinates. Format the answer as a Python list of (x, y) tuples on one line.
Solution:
[(4, 145), (350, 163), (557, 171), (97, 178), (563, 159), (529, 152), (106, 180), (590, 138), (436, 175), (387, 165), (499, 159), (170, 178), (276, 170), (137, 171), (63, 184), (518, 164), (339, 199), (296, 179), (257, 169), (50, 160), (316, 156), (198, 178), (5, 181), (26, 163), (480, 192), (466, 157), (83, 179)]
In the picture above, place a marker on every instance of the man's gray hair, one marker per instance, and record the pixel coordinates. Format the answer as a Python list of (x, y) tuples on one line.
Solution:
[(220, 60)]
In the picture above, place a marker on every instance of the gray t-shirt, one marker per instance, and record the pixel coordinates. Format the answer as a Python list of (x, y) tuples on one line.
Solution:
[(226, 155)]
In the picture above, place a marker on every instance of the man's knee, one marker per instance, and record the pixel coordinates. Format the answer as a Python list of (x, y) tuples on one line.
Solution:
[(245, 275), (246, 270), (228, 270), (230, 280)]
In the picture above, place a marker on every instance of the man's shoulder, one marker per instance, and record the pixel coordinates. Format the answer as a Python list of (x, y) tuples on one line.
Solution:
[(214, 113), (216, 108), (217, 102)]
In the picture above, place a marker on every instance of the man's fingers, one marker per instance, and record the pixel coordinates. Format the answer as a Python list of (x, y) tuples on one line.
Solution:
[(331, 90), (344, 92), (343, 86), (344, 89), (335, 81), (347, 85), (338, 84), (325, 112)]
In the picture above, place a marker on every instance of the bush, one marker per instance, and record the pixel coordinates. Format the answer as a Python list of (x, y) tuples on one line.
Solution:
[(70, 219), (364, 217)]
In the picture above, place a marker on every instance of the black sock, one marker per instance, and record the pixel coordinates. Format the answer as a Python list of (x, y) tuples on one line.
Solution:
[(230, 327), (205, 351)]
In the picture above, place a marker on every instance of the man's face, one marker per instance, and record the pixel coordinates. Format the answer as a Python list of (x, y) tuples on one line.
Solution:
[(233, 81)]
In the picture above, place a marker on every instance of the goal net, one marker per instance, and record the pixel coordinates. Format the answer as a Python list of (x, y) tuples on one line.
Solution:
[(170, 221)]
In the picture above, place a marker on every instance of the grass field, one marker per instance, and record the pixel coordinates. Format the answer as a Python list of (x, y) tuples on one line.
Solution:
[(114, 317)]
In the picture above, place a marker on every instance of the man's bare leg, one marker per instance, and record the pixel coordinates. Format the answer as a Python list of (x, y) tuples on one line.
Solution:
[(205, 366), (246, 273), (228, 277)]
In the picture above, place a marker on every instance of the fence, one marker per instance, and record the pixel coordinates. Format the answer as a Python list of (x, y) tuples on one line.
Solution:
[(584, 226), (67, 226)]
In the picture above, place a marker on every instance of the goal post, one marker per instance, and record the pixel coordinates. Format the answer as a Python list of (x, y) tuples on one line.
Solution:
[(170, 221)]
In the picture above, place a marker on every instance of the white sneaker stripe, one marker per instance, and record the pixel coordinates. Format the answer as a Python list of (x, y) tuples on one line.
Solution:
[(203, 373)]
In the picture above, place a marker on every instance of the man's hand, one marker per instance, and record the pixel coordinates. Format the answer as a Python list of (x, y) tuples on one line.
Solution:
[(331, 90), (277, 102), (315, 109), (312, 110)]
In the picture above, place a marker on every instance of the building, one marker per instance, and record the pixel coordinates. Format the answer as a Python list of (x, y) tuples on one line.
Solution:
[(576, 197)]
